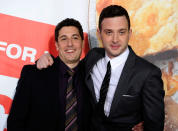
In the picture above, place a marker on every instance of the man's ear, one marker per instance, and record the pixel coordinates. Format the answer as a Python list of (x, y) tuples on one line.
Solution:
[(83, 44), (130, 33), (56, 44), (99, 34)]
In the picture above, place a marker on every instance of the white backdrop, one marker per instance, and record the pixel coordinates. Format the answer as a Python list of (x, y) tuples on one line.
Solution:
[(44, 14)]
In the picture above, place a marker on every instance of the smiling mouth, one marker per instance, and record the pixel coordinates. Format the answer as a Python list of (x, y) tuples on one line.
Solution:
[(115, 47), (69, 51)]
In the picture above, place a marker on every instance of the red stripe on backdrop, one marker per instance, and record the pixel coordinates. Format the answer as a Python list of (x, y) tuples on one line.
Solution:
[(5, 101), (23, 41)]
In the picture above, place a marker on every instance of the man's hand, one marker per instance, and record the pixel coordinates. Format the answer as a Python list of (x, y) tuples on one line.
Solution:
[(45, 61), (138, 127)]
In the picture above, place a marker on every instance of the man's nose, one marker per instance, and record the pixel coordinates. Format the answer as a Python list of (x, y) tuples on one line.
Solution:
[(115, 37), (69, 43)]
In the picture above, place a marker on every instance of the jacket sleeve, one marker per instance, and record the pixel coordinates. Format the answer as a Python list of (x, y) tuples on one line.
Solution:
[(153, 102), (21, 103)]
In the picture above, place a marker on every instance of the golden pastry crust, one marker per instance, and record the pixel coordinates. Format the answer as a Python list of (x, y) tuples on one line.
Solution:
[(154, 24), (170, 80), (171, 115)]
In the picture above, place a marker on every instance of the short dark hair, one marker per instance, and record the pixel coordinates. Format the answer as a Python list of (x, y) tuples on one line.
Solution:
[(68, 22), (113, 11)]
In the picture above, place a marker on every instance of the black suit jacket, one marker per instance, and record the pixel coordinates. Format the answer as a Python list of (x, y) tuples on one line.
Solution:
[(139, 95), (37, 105)]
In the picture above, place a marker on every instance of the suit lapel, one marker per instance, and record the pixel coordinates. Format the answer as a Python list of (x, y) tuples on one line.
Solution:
[(54, 75), (91, 60), (122, 86), (60, 92), (90, 86), (80, 91), (53, 81)]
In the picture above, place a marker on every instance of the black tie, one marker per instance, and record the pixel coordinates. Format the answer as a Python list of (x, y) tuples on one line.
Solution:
[(71, 104), (104, 87)]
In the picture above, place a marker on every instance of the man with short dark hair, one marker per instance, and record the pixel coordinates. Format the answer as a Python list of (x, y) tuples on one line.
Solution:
[(53, 99), (135, 89)]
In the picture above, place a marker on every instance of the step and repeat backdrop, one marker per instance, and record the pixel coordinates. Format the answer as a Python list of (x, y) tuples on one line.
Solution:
[(27, 31)]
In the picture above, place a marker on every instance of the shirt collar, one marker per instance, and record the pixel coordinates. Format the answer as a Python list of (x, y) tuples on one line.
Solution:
[(63, 67), (118, 60)]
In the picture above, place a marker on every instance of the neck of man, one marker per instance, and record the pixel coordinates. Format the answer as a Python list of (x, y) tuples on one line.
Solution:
[(72, 65)]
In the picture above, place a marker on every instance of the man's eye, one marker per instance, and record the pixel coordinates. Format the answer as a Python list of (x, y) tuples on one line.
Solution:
[(63, 39), (122, 32), (108, 32), (76, 38)]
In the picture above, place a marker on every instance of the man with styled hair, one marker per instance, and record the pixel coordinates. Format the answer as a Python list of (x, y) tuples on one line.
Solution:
[(53, 99), (135, 90)]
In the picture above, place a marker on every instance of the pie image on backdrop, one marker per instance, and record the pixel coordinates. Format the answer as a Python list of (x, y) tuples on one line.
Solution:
[(154, 26)]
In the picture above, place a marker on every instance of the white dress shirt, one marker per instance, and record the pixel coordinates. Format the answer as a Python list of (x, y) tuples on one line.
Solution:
[(99, 71)]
